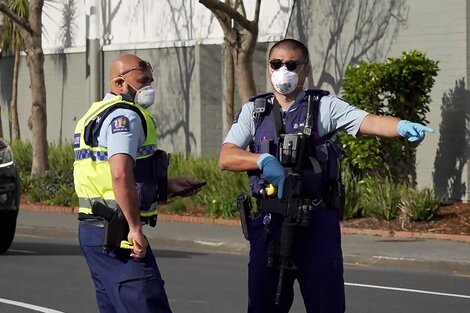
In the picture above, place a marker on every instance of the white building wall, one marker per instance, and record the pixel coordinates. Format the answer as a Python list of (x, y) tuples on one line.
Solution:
[(439, 28), (154, 23), (343, 32)]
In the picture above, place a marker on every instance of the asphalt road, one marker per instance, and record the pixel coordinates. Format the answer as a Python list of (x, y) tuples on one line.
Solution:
[(49, 275)]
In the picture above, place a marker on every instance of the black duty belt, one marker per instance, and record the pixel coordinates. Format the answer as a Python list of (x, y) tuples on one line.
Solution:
[(280, 206), (97, 222), (94, 220)]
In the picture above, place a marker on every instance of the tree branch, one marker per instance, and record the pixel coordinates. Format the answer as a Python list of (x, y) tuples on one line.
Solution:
[(223, 19), (257, 10), (22, 23), (214, 5)]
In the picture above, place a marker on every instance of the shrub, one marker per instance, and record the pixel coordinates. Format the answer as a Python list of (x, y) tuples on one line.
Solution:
[(381, 197), (354, 191), (56, 185), (219, 195), (61, 158), (372, 195), (418, 205), (52, 187), (23, 152), (400, 87), (177, 205), (361, 155)]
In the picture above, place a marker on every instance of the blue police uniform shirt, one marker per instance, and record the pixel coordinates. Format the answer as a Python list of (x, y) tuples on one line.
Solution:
[(122, 132), (334, 114)]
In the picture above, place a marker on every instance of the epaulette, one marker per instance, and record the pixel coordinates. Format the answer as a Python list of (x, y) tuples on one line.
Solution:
[(260, 104), (263, 95), (317, 92)]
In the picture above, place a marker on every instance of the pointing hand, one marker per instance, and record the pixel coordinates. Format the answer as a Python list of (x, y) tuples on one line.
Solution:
[(413, 131)]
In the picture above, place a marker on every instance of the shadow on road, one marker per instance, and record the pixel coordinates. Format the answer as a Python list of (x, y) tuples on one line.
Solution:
[(26, 248)]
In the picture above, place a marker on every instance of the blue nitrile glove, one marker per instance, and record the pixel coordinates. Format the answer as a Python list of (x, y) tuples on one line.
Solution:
[(273, 171), (412, 131)]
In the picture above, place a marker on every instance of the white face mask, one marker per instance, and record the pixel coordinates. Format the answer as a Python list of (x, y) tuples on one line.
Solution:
[(145, 96), (284, 81)]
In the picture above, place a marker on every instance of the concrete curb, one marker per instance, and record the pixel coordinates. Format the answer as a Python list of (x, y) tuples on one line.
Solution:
[(404, 234), (451, 267), (236, 223)]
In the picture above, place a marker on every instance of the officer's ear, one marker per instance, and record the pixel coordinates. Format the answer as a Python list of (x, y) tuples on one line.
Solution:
[(117, 85)]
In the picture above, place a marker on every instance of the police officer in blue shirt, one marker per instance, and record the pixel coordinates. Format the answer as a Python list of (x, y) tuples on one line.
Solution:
[(315, 256), (119, 169)]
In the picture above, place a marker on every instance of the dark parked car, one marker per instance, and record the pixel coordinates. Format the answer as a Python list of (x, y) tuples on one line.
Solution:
[(9, 196)]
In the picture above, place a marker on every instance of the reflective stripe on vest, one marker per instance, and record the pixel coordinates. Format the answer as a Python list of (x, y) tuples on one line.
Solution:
[(102, 155)]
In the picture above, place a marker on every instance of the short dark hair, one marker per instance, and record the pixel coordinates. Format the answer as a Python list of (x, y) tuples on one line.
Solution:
[(291, 44)]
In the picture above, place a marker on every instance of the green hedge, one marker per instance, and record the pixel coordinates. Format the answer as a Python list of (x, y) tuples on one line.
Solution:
[(385, 199), (55, 186), (219, 195), (369, 196), (400, 87)]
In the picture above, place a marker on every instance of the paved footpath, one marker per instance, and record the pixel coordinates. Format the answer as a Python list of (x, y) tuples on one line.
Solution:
[(443, 253)]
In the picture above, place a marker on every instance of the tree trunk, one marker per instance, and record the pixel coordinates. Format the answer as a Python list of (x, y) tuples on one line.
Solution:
[(245, 80), (241, 37), (15, 126), (32, 35), (1, 124), (229, 88), (35, 57)]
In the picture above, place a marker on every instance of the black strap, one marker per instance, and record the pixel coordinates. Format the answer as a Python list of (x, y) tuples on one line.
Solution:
[(277, 117), (308, 126)]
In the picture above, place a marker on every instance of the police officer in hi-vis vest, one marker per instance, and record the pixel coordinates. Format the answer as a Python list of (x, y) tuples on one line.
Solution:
[(119, 175), (295, 232)]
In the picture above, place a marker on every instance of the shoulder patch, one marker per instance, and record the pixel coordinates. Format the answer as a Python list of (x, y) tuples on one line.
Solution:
[(76, 140), (235, 120), (120, 124)]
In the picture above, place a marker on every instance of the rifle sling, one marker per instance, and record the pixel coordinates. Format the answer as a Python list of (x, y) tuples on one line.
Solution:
[(277, 117)]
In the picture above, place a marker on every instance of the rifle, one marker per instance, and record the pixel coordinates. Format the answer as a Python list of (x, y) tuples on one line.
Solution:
[(291, 155), (297, 214)]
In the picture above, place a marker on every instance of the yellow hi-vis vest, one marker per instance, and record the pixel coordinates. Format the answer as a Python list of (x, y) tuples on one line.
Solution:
[(92, 173)]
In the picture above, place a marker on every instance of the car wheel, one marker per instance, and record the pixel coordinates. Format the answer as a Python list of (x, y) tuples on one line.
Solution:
[(7, 233)]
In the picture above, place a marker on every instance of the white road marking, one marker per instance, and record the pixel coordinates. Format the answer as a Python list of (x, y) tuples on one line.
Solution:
[(409, 290), (21, 251), (209, 243), (29, 306), (393, 258)]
